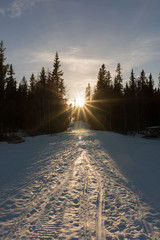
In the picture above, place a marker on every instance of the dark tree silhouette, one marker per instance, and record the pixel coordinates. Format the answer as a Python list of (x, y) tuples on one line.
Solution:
[(3, 72)]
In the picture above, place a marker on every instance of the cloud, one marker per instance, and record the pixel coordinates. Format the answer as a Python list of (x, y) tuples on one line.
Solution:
[(76, 61), (18, 6), (81, 65), (144, 50), (2, 11), (73, 60), (141, 52), (78, 69)]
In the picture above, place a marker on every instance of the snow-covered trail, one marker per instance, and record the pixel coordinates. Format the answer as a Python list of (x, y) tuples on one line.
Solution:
[(72, 189)]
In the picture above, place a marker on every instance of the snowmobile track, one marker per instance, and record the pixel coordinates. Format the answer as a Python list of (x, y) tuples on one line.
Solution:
[(75, 191)]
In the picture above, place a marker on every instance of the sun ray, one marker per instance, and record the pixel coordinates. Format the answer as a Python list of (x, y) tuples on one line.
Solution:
[(84, 114), (90, 105), (91, 114), (111, 100)]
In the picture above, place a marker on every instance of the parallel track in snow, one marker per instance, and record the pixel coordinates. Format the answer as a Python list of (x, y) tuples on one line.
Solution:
[(76, 192)]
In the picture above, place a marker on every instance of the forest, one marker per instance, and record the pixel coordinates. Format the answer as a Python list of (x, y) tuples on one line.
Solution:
[(38, 108), (127, 109), (41, 106)]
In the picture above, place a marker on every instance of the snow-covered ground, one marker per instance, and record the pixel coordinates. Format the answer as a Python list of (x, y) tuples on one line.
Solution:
[(106, 186)]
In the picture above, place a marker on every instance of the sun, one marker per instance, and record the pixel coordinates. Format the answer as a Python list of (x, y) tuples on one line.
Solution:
[(80, 101)]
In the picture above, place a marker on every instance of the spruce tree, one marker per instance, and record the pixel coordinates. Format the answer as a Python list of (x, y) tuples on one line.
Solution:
[(150, 85), (3, 71), (11, 99), (132, 84), (11, 84), (32, 84), (118, 87), (142, 82), (108, 79), (101, 78), (23, 87), (88, 93), (57, 76), (43, 78), (22, 97)]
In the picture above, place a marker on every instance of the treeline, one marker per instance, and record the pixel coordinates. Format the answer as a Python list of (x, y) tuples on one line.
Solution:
[(37, 108), (41, 106), (120, 108)]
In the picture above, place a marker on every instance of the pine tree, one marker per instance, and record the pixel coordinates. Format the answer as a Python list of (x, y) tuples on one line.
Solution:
[(88, 93), (43, 78), (22, 98), (127, 91), (132, 84), (57, 105), (3, 71), (108, 80), (32, 84), (118, 87), (11, 97), (23, 87), (11, 84), (57, 76), (142, 83), (150, 85), (101, 78), (61, 89)]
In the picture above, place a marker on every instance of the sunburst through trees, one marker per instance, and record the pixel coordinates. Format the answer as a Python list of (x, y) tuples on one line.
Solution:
[(38, 108), (42, 107), (115, 107)]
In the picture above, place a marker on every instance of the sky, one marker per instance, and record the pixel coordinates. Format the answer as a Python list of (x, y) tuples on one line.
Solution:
[(85, 33)]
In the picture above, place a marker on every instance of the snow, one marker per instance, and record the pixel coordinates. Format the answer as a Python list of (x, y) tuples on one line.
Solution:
[(101, 186)]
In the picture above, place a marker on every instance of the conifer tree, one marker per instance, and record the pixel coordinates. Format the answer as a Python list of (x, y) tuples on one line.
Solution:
[(43, 78), (11, 99), (3, 71), (108, 79), (23, 87), (11, 84), (32, 84), (88, 93), (142, 82), (57, 76), (150, 85), (101, 78), (132, 84), (118, 87), (22, 97)]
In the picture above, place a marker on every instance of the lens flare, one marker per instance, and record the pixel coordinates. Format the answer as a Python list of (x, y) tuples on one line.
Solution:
[(80, 138)]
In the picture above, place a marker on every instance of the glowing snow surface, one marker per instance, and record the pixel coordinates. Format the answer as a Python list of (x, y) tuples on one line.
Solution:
[(57, 187)]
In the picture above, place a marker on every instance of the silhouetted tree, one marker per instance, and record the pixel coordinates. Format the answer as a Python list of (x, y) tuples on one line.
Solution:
[(101, 78), (11, 84), (118, 87), (57, 74), (3, 72), (11, 99), (88, 93), (32, 84), (132, 84)]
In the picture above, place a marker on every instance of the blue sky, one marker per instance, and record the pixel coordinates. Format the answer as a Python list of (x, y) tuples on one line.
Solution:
[(86, 34)]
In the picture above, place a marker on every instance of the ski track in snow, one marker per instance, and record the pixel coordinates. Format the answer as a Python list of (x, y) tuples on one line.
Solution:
[(74, 190)]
